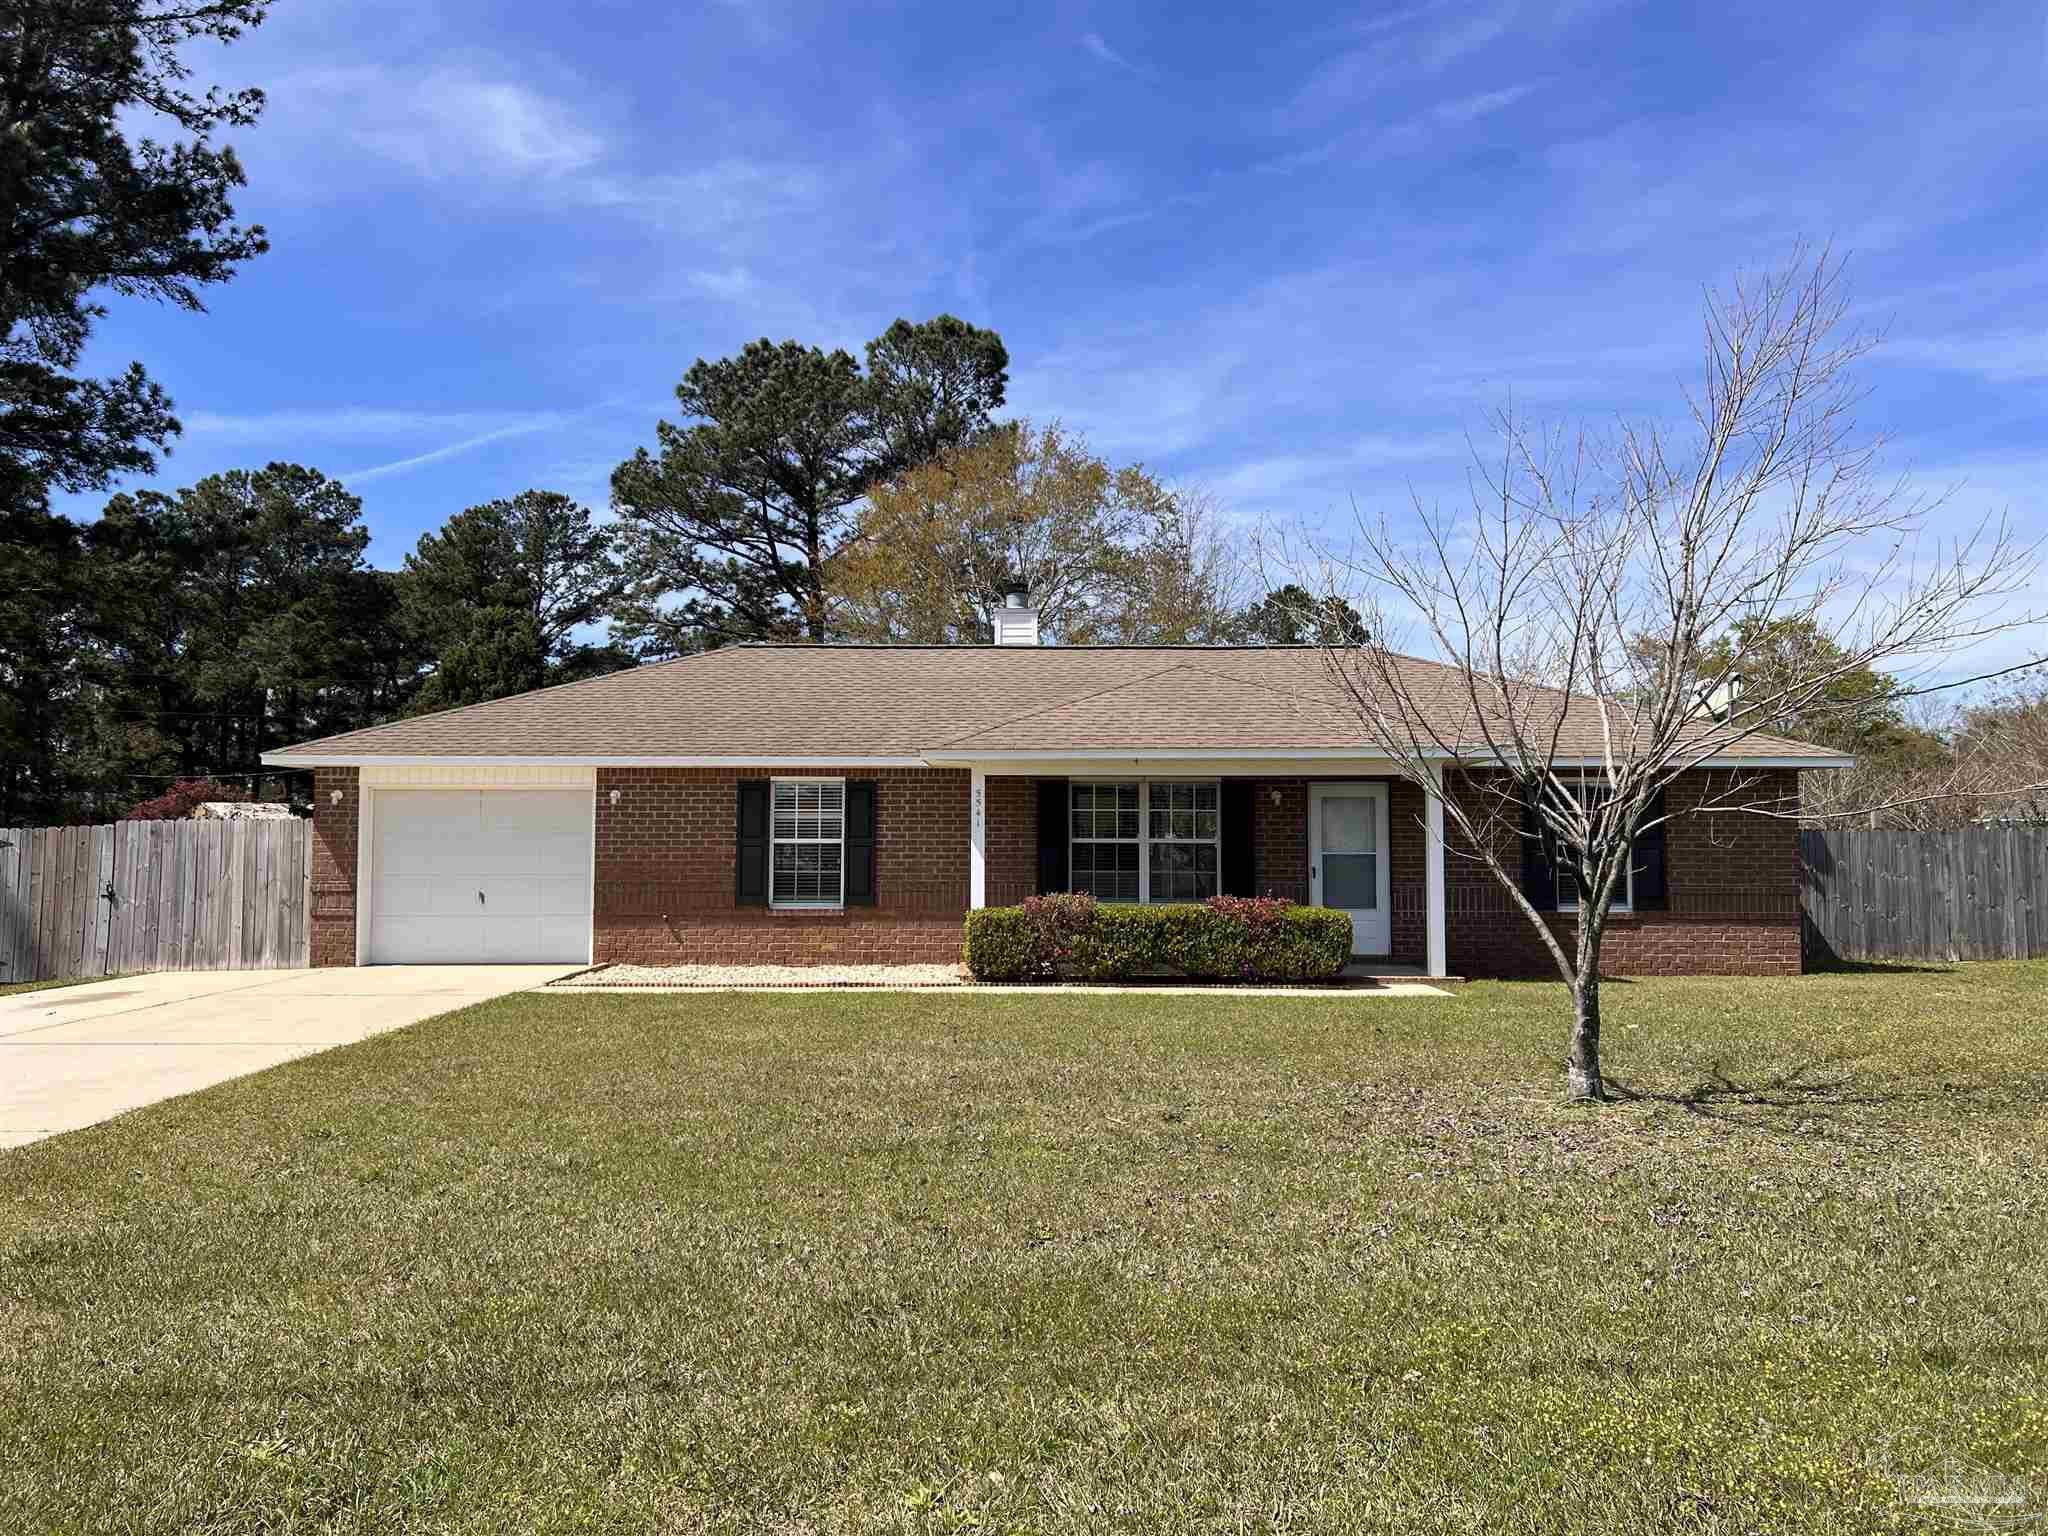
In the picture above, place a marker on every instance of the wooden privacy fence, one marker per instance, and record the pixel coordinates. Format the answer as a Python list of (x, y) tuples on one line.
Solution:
[(1977, 894), (153, 896)]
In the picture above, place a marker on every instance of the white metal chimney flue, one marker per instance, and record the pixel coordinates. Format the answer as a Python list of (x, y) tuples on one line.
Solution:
[(1016, 620)]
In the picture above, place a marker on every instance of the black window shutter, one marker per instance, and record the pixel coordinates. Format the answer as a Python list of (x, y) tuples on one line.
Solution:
[(750, 859), (860, 842), (1052, 837), (1539, 872), (1240, 875), (1647, 865)]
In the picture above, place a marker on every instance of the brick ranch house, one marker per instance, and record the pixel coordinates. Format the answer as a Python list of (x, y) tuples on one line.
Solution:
[(797, 804)]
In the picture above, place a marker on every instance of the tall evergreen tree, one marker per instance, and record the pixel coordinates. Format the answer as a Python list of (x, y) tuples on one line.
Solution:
[(504, 595), (236, 615), (1292, 615), (91, 209), (730, 525), (45, 605)]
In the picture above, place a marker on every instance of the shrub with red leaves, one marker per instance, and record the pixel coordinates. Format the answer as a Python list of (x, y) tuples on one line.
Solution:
[(1055, 924), (1261, 915), (183, 798)]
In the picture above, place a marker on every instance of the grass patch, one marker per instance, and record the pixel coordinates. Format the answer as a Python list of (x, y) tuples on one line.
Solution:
[(9, 988), (932, 1262)]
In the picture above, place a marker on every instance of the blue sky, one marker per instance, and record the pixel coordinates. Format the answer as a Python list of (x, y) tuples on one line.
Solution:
[(1292, 254)]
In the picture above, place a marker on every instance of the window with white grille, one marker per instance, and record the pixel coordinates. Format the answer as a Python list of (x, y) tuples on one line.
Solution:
[(807, 843), (1106, 825), (1146, 840), (1592, 793), (1182, 825)]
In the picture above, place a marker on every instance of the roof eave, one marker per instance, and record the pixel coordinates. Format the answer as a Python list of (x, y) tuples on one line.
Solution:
[(955, 758)]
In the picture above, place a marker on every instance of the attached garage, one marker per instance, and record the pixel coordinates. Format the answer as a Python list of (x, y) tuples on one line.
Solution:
[(477, 875)]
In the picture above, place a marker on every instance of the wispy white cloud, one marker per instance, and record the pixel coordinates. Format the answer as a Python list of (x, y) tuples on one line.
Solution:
[(345, 423), (308, 432), (1292, 479), (717, 200), (1466, 109), (454, 449), (452, 121), (2002, 356), (1414, 134), (1402, 48), (1094, 43), (732, 284)]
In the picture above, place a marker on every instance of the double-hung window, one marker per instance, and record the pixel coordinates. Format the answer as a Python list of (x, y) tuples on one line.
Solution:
[(1106, 851), (1591, 793), (807, 843), (1139, 840), (1181, 860)]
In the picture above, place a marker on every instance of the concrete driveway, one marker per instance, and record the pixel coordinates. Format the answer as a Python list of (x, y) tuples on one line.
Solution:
[(73, 1056)]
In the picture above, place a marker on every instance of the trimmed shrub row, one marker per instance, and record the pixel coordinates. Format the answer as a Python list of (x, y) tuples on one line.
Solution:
[(1076, 938)]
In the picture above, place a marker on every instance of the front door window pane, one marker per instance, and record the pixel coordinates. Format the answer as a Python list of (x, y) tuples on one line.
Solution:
[(1349, 824), (1351, 881)]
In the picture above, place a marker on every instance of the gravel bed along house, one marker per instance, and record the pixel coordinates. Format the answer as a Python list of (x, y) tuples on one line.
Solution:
[(728, 978), (772, 976)]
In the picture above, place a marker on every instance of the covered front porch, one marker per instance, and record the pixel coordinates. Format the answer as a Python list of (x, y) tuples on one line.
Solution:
[(1337, 831)]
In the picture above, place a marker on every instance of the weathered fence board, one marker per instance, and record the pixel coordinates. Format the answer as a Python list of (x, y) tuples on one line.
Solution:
[(153, 896), (1980, 893), (13, 898)]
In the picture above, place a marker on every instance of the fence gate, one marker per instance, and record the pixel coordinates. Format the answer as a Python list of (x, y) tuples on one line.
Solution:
[(153, 896)]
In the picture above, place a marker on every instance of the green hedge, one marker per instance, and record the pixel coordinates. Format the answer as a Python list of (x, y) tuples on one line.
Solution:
[(1076, 938)]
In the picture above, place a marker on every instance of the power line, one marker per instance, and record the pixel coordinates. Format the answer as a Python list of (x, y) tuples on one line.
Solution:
[(1982, 677)]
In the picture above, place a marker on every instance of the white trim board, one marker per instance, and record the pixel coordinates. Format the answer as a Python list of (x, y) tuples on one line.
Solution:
[(1191, 764), (478, 776), (394, 760)]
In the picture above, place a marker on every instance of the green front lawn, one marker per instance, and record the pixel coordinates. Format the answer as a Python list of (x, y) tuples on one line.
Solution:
[(9, 988), (936, 1262)]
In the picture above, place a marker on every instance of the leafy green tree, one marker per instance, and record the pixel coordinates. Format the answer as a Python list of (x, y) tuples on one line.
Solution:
[(92, 209), (236, 615), (539, 552), (497, 652), (937, 385), (1105, 553), (1292, 615), (1180, 581), (731, 524), (45, 607), (1858, 710), (503, 594), (937, 547)]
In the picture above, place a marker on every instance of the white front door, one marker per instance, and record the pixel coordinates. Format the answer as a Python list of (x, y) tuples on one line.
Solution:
[(468, 876), (1347, 859)]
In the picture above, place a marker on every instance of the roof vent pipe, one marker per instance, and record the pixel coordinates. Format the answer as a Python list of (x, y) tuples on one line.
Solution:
[(1016, 622)]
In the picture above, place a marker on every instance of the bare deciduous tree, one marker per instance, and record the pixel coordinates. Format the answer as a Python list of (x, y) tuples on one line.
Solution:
[(1591, 600)]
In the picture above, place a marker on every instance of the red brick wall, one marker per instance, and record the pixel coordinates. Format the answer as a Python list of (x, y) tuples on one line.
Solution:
[(1408, 873), (665, 878), (1279, 850), (1012, 840), (1280, 857), (1280, 838), (334, 866), (1733, 885), (665, 857)]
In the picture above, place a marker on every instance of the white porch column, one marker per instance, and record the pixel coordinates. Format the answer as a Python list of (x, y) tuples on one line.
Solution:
[(1433, 863), (977, 838)]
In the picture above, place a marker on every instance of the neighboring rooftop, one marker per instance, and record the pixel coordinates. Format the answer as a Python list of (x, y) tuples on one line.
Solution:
[(828, 704)]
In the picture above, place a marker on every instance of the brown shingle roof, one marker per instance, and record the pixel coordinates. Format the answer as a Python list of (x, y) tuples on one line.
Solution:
[(831, 704)]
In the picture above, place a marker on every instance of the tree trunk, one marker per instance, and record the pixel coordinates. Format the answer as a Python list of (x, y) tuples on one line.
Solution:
[(1583, 1083), (1582, 1064)]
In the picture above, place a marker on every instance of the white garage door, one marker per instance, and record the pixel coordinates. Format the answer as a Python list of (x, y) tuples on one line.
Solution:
[(498, 876)]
